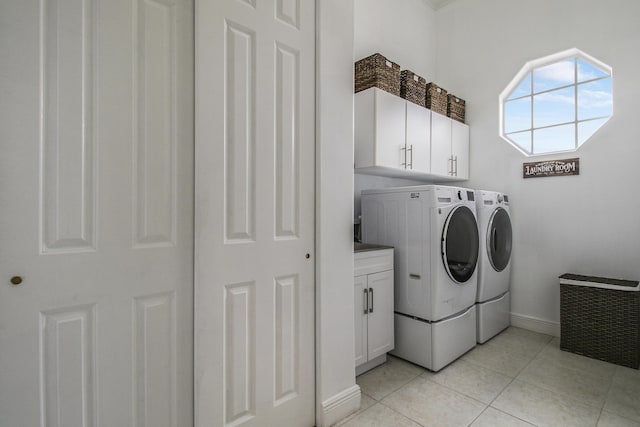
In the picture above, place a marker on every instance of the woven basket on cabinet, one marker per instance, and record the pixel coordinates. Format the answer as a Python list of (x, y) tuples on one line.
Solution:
[(436, 99), (413, 87), (455, 108), (377, 71)]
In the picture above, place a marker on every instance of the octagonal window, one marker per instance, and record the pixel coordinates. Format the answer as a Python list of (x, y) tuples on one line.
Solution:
[(556, 103)]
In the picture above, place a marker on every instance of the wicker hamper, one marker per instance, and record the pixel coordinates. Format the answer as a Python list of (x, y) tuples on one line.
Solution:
[(413, 87), (600, 318), (436, 99), (378, 71), (455, 107)]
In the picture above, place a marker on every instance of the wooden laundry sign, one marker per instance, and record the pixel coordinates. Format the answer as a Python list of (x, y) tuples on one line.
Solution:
[(551, 168)]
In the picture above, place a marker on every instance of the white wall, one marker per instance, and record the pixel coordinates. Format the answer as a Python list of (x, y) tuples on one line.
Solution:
[(401, 30), (337, 394), (586, 224), (405, 32)]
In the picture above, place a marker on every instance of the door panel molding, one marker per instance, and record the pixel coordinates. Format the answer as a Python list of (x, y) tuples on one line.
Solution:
[(68, 359), (155, 360), (155, 135), (67, 139)]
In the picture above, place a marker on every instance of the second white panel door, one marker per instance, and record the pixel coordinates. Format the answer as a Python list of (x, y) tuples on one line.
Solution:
[(255, 145)]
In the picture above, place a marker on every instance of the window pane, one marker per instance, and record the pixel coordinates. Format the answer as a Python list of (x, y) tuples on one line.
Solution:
[(523, 89), (555, 107), (594, 99), (522, 139), (587, 71), (586, 129), (551, 76), (517, 115), (557, 138)]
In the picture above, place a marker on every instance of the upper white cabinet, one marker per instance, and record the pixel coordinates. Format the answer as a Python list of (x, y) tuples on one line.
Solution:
[(379, 129), (460, 149), (395, 137), (449, 147), (418, 131)]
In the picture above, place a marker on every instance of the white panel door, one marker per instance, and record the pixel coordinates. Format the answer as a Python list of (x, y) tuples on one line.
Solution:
[(255, 144), (96, 224)]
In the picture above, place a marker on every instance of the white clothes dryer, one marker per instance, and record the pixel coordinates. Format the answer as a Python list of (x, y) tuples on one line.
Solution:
[(493, 306), (435, 235)]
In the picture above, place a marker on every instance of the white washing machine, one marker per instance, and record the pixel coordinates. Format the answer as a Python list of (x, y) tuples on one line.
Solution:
[(435, 235), (493, 305)]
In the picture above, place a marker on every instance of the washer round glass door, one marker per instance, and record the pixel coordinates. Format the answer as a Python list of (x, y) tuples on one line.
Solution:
[(499, 239), (460, 244)]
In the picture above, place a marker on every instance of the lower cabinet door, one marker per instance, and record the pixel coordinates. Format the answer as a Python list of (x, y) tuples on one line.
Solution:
[(380, 337), (360, 297)]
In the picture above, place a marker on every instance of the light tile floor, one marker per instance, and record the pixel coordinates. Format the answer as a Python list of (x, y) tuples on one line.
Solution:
[(519, 378)]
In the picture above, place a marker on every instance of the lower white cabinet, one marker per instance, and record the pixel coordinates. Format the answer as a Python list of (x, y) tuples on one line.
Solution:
[(373, 297)]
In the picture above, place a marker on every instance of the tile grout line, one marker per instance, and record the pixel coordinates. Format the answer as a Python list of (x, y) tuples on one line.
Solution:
[(565, 395), (513, 379), (522, 354), (538, 357), (404, 415), (479, 415), (494, 371), (456, 391), (608, 391), (511, 415)]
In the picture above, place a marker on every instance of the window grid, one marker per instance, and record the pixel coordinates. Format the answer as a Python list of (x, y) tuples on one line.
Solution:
[(575, 85)]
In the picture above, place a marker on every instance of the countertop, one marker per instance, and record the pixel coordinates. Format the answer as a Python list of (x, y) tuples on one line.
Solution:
[(363, 247)]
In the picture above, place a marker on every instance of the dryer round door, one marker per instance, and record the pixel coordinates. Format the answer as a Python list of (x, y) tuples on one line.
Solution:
[(460, 244), (499, 239)]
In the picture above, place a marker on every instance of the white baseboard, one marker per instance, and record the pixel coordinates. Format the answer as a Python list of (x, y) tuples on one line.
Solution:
[(340, 406), (535, 324)]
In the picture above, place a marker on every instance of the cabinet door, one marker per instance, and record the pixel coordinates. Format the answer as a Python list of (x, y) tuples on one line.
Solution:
[(440, 144), (389, 130), (418, 138), (460, 148), (380, 317), (360, 318)]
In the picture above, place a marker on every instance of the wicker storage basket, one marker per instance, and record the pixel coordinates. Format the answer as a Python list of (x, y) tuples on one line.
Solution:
[(436, 99), (455, 107), (413, 87), (600, 318), (378, 71)]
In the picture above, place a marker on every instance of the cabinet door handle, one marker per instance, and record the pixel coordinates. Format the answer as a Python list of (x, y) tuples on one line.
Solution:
[(451, 168), (404, 148), (411, 162), (366, 301), (371, 307), (456, 165)]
